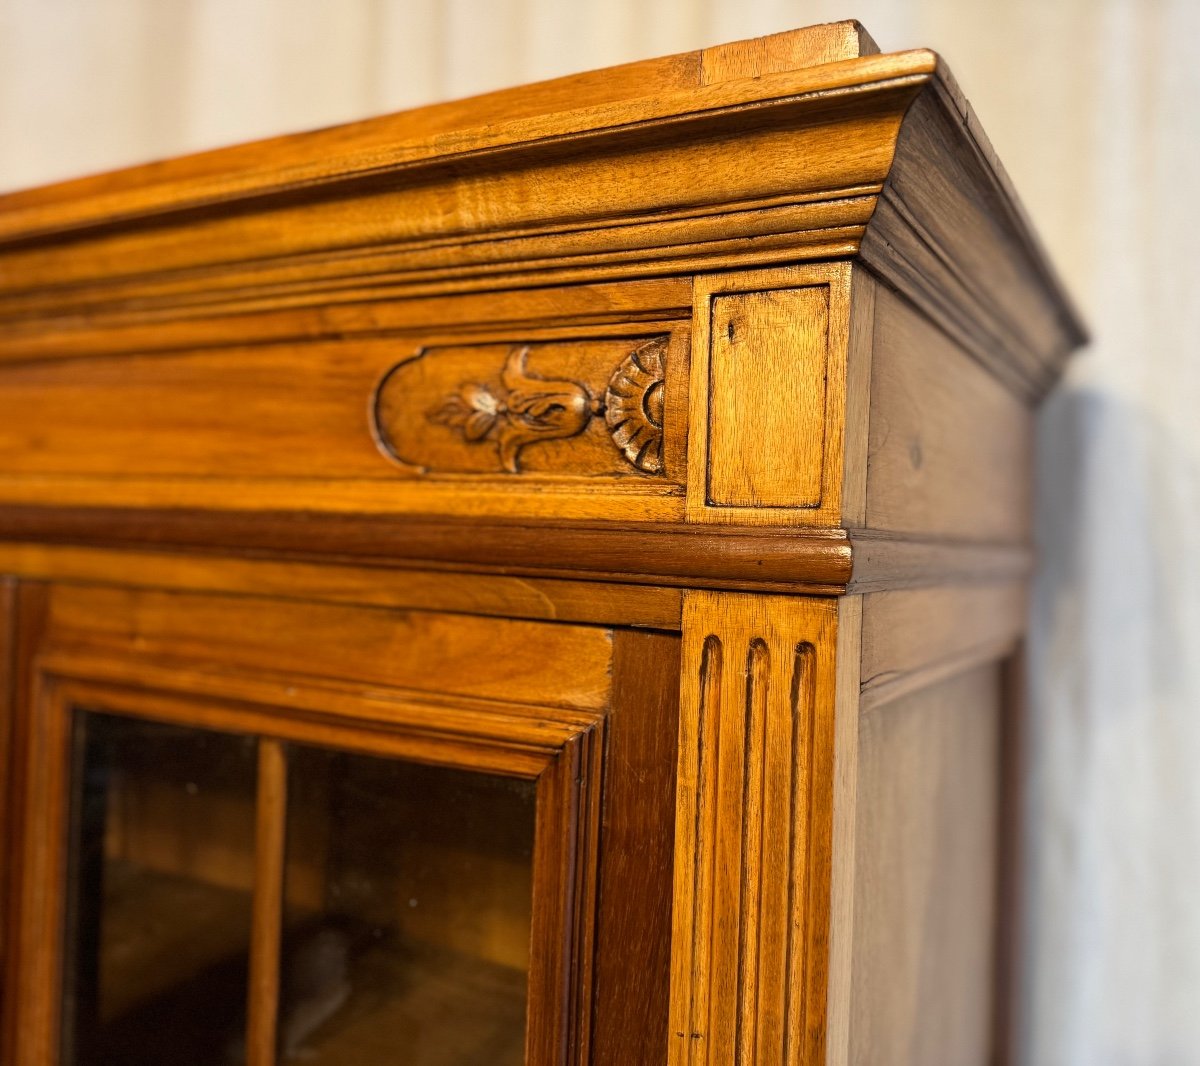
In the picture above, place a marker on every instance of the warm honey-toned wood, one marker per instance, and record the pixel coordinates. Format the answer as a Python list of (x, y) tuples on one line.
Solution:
[(261, 164), (584, 406), (8, 651), (768, 397), (753, 830), (633, 928), (269, 861), (328, 447), (370, 586), (616, 179), (414, 650), (615, 553), (485, 315), (658, 438), (786, 51), (760, 450), (174, 679), (28, 619)]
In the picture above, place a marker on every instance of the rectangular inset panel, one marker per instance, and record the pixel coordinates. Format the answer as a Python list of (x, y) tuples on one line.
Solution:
[(409, 911), (767, 396), (416, 422), (421, 650), (925, 888), (159, 894)]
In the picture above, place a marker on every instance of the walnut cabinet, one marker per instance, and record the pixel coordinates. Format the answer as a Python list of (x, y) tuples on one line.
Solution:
[(530, 580)]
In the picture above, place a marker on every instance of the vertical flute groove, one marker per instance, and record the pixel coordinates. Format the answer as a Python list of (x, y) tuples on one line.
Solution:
[(706, 734), (753, 824), (802, 705)]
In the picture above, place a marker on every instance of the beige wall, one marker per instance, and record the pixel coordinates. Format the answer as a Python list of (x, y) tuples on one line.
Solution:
[(1092, 104)]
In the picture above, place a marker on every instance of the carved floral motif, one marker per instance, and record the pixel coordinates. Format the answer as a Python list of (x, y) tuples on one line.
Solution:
[(527, 408)]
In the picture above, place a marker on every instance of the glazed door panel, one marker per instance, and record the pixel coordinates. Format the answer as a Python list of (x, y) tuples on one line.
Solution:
[(241, 862), (407, 904)]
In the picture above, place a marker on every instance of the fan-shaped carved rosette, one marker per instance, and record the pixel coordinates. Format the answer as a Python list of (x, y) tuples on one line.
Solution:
[(633, 405)]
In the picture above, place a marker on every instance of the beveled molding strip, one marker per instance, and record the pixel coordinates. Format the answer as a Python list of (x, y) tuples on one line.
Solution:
[(823, 562)]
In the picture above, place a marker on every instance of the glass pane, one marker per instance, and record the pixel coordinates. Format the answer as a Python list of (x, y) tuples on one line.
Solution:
[(408, 914), (161, 869)]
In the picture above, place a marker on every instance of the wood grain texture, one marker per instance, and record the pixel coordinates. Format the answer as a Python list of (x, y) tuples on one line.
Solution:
[(885, 560), (753, 831), (35, 964), (417, 650), (561, 190), (537, 599), (633, 927), (790, 50), (912, 638), (768, 397), (938, 420), (605, 129), (482, 316), (950, 233), (270, 839), (624, 553), (844, 802), (767, 403), (8, 703), (281, 696), (28, 621), (211, 425), (860, 344), (587, 407), (658, 435), (261, 164), (924, 883)]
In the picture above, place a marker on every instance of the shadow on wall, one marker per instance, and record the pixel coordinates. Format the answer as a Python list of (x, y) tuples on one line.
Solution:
[(1112, 799)]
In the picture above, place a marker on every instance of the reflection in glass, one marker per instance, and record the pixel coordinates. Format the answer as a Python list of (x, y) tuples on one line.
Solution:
[(407, 927), (159, 900)]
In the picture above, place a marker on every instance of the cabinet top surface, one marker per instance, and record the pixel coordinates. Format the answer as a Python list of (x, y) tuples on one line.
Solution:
[(833, 56), (834, 127)]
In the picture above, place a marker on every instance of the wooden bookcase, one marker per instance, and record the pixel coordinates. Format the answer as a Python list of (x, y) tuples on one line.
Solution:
[(536, 579)]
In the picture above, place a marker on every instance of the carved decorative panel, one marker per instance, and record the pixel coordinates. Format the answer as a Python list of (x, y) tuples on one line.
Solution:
[(588, 406), (751, 860)]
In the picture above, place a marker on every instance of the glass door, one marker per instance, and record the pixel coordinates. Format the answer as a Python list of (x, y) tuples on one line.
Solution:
[(270, 833), (226, 889)]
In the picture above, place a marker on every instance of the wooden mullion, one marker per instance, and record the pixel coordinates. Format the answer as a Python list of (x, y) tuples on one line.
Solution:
[(265, 938)]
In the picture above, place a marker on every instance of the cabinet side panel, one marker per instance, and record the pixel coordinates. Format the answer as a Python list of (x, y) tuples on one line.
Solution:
[(925, 878), (950, 447)]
